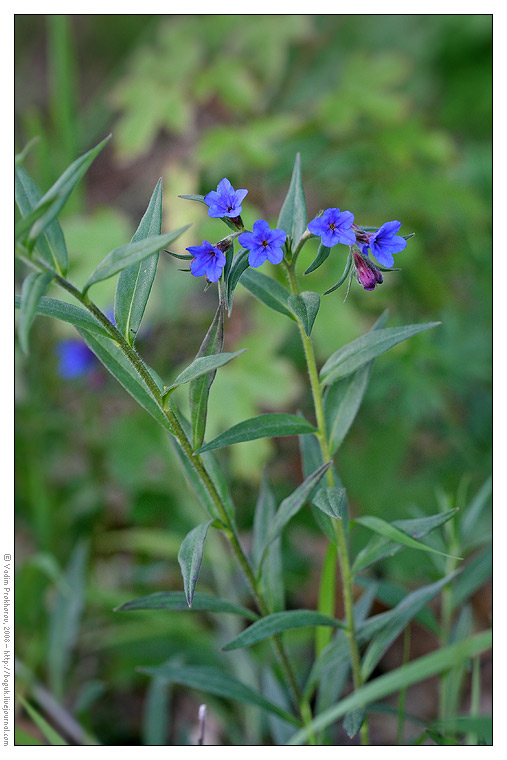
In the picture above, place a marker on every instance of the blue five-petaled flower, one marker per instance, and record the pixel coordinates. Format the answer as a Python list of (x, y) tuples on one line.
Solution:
[(384, 242), (225, 200), (263, 243), (334, 226), (208, 260)]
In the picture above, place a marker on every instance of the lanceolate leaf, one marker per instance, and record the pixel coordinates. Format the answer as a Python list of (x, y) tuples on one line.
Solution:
[(319, 259), (311, 456), (202, 365), (129, 255), (293, 503), (199, 388), (362, 350), (67, 312), (190, 558), (267, 290), (379, 546), (134, 283), (51, 244), (410, 673), (305, 306), (292, 217), (239, 265), (176, 600), (263, 426), (343, 398), (63, 187), (330, 500), (215, 681), (271, 625), (388, 530), (34, 287), (271, 572)]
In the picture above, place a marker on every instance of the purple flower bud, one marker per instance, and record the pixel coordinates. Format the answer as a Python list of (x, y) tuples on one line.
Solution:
[(367, 274)]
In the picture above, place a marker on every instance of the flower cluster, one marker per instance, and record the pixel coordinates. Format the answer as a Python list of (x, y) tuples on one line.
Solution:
[(265, 244)]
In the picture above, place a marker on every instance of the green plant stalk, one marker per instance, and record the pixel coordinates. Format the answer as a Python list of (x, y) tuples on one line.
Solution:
[(446, 612), (341, 539), (403, 693), (196, 461)]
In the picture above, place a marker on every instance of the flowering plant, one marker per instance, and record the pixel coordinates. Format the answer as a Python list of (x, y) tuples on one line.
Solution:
[(306, 700)]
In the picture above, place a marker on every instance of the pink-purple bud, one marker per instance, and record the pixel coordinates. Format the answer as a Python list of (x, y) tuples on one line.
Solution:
[(367, 274)]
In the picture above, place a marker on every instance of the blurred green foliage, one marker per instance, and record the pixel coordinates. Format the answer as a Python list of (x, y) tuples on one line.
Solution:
[(392, 115)]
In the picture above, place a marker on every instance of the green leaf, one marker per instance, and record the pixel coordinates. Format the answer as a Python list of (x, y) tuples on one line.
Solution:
[(114, 360), (199, 388), (49, 733), (135, 282), (353, 721), (474, 510), (391, 594), (51, 243), (239, 265), (322, 254), (203, 365), (176, 600), (476, 573), (377, 525), (214, 681), (34, 287), (311, 456), (267, 290), (20, 157), (343, 398), (331, 501), (271, 570), (272, 625), (362, 350), (190, 558), (67, 312), (292, 217), (130, 255), (401, 678), (59, 193), (379, 547), (263, 426), (199, 198), (293, 503), (394, 622), (305, 306)]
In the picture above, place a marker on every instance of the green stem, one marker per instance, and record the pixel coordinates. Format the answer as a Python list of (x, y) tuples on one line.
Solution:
[(341, 539), (403, 693), (196, 461)]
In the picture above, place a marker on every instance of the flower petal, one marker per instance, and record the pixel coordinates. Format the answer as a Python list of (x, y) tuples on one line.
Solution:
[(261, 229), (247, 240), (274, 255), (257, 257)]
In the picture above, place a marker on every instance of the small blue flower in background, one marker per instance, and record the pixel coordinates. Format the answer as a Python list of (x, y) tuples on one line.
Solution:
[(384, 242), (208, 260), (75, 358), (334, 226), (225, 200), (263, 243)]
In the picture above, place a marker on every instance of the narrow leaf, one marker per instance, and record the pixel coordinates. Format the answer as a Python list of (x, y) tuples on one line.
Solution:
[(199, 388), (267, 290), (63, 187), (49, 733), (353, 721), (330, 500), (377, 525), (129, 255), (20, 157), (362, 350), (272, 625), (51, 243), (176, 600), (271, 572), (199, 198), (67, 312), (292, 217), (403, 677), (474, 510), (319, 259), (305, 306), (263, 426), (239, 265), (135, 282), (190, 558), (202, 366), (293, 503), (215, 681), (34, 287), (311, 456)]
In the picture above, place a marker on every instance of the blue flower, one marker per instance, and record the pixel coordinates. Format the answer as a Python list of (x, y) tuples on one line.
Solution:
[(225, 200), (384, 242), (263, 243), (334, 226), (208, 260), (75, 359)]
